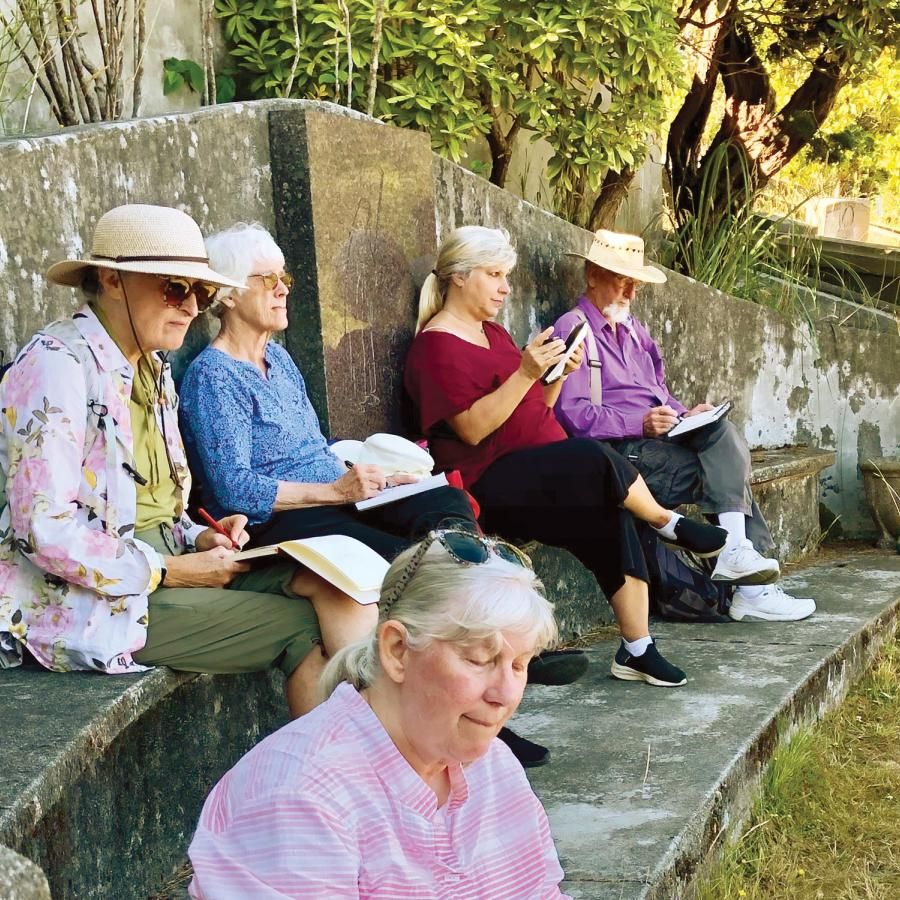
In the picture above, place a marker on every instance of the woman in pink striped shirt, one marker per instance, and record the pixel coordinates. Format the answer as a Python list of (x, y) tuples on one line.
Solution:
[(395, 787)]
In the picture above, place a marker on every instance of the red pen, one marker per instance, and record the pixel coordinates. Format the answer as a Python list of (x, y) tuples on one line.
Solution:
[(217, 527)]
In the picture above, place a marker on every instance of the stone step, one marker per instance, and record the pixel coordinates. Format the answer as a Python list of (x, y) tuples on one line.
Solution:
[(103, 777), (644, 782), (786, 487)]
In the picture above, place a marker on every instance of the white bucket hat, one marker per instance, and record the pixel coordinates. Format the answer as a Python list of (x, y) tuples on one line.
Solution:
[(389, 451), (622, 254), (156, 240)]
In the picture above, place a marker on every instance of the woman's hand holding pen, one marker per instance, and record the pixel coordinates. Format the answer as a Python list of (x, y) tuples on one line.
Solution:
[(228, 532), (359, 483)]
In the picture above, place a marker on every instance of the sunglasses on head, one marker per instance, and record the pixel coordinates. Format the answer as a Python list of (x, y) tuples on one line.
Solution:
[(466, 547), (270, 279), (177, 290)]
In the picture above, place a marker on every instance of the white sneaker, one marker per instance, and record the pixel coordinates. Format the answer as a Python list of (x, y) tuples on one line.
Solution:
[(772, 604), (741, 564)]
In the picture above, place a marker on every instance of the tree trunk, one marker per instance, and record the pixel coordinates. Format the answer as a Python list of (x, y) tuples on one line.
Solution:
[(612, 195), (754, 142), (500, 141)]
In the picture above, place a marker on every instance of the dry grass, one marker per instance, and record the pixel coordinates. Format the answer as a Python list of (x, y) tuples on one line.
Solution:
[(827, 823)]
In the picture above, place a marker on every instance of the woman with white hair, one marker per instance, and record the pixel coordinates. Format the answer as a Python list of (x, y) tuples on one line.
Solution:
[(486, 413), (100, 566), (253, 436), (395, 786)]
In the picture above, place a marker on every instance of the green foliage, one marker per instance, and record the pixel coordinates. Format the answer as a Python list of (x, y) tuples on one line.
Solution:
[(758, 258), (178, 73), (589, 76), (857, 151)]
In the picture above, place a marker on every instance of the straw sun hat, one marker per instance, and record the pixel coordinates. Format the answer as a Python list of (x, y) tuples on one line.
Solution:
[(622, 254), (156, 240)]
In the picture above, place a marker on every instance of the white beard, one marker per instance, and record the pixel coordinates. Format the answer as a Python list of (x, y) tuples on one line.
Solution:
[(617, 312)]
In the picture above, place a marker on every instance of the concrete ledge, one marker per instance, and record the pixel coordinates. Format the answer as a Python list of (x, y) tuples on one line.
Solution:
[(786, 486), (647, 783), (103, 777)]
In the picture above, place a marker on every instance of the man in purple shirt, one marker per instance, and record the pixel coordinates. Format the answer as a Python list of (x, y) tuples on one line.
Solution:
[(620, 395)]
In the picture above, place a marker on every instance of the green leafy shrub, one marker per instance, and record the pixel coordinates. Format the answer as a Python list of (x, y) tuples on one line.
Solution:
[(589, 76)]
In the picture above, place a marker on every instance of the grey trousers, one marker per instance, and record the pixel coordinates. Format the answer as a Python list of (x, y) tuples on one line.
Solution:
[(709, 467)]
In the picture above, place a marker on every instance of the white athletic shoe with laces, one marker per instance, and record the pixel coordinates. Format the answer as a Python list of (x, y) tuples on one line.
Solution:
[(741, 564), (773, 605)]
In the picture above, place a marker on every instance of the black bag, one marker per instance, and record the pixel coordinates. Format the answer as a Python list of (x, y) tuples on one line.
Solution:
[(682, 591)]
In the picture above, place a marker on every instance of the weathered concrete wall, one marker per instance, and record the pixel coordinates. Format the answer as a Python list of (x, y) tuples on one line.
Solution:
[(213, 164), (836, 388)]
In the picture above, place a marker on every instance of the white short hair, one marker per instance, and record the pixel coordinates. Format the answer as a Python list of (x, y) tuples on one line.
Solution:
[(235, 251)]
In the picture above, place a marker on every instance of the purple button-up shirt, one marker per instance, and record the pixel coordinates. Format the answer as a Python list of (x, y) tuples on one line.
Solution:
[(633, 379)]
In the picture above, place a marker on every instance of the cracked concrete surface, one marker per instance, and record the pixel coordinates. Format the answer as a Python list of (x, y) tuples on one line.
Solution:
[(643, 780)]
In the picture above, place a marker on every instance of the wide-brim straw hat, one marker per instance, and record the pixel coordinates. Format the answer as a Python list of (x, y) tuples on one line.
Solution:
[(156, 240), (622, 254)]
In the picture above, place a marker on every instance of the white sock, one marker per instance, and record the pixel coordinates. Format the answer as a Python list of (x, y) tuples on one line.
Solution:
[(735, 523), (750, 591), (668, 531), (638, 647)]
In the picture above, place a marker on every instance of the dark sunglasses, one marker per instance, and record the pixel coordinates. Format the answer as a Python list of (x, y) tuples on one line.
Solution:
[(270, 280), (177, 290), (466, 547)]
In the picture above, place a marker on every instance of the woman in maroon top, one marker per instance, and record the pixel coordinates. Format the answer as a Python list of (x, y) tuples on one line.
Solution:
[(485, 412)]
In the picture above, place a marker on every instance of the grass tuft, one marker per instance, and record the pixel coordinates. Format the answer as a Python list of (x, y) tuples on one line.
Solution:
[(826, 824)]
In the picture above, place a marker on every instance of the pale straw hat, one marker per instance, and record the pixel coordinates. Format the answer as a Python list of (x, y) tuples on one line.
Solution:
[(622, 254), (389, 451), (156, 240)]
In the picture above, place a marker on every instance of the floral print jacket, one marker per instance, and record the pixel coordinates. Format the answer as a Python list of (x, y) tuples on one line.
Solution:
[(74, 581)]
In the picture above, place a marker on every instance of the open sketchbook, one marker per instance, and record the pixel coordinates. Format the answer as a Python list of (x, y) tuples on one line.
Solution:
[(399, 491), (344, 561), (692, 423)]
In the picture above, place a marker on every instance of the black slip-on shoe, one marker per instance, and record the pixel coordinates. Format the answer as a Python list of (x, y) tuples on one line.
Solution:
[(529, 754), (650, 667), (699, 538), (557, 667)]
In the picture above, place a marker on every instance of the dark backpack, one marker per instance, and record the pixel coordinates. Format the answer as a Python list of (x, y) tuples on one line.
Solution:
[(681, 589)]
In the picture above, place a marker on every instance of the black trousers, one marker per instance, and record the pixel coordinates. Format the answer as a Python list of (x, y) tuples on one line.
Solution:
[(569, 495), (387, 529)]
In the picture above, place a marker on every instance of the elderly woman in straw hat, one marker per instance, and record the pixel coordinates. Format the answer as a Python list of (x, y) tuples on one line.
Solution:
[(100, 567), (485, 411), (395, 786)]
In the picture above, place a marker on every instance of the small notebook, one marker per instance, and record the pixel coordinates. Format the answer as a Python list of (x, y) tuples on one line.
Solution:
[(346, 562), (692, 423), (398, 492)]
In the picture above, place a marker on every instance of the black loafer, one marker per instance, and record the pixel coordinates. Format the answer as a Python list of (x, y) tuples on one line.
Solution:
[(557, 667), (529, 754)]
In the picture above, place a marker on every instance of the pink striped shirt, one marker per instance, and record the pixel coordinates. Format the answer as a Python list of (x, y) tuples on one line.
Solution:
[(328, 807)]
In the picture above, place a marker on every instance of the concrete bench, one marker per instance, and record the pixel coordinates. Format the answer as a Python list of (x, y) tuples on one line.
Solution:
[(103, 777)]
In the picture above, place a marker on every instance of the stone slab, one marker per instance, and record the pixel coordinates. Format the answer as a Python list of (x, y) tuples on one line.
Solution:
[(103, 777), (358, 229), (628, 829)]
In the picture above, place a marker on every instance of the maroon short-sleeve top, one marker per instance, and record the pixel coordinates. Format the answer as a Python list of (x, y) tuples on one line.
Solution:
[(446, 374)]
